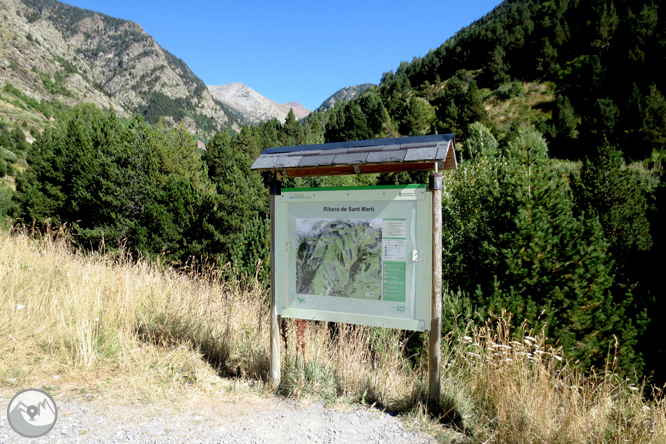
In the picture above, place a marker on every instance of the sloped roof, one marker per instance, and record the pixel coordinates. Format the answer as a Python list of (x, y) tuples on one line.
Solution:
[(364, 156)]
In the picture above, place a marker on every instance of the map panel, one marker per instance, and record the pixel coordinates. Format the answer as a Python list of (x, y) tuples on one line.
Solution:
[(339, 257)]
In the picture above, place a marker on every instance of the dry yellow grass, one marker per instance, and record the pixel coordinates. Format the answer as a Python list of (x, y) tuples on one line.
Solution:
[(528, 393), (115, 324), (97, 321)]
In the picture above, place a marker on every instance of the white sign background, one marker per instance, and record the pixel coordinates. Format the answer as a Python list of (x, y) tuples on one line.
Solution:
[(326, 224)]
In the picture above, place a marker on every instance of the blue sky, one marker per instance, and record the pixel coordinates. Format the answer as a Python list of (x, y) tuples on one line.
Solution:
[(296, 51)]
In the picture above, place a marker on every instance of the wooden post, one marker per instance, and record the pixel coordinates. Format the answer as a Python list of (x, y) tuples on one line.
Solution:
[(275, 372), (435, 352)]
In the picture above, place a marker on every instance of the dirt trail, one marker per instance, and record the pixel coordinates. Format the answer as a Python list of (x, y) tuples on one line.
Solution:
[(244, 420)]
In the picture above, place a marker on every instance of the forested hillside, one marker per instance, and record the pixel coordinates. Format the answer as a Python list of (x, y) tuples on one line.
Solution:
[(602, 57), (553, 216)]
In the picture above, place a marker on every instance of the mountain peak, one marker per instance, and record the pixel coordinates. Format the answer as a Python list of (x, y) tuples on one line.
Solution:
[(254, 107)]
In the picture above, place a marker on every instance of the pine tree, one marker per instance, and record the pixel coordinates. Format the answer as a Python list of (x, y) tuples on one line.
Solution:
[(653, 130), (241, 203), (606, 189), (293, 132), (460, 105), (610, 191), (419, 118), (513, 242)]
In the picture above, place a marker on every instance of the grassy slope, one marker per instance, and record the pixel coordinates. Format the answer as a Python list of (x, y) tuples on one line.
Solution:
[(532, 104), (70, 322)]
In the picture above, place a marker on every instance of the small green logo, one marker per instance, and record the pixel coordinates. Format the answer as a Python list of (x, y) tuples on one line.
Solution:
[(401, 308)]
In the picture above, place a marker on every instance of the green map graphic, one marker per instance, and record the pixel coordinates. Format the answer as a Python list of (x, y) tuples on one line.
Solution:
[(339, 257)]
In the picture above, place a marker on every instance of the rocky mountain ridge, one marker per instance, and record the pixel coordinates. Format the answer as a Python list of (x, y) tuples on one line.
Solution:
[(253, 106), (52, 52)]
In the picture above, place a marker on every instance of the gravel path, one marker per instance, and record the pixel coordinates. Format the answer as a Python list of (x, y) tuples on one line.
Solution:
[(259, 421)]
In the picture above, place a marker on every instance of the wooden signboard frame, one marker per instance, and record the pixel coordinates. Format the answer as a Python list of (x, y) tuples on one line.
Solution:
[(388, 155)]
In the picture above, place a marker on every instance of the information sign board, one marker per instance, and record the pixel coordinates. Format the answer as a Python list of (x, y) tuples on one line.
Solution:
[(359, 255)]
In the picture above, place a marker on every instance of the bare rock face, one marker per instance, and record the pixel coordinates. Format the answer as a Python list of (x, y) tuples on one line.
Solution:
[(36, 59), (56, 52), (252, 106)]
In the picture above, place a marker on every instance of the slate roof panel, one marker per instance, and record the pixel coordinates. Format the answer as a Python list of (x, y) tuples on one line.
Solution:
[(321, 160), (411, 146), (364, 149), (350, 158), (305, 153), (386, 156), (442, 150), (337, 151), (287, 161), (264, 162), (425, 154)]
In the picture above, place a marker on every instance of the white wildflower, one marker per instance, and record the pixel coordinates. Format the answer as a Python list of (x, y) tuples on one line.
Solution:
[(20, 306)]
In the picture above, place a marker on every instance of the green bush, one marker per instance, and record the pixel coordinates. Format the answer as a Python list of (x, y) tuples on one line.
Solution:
[(508, 91)]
